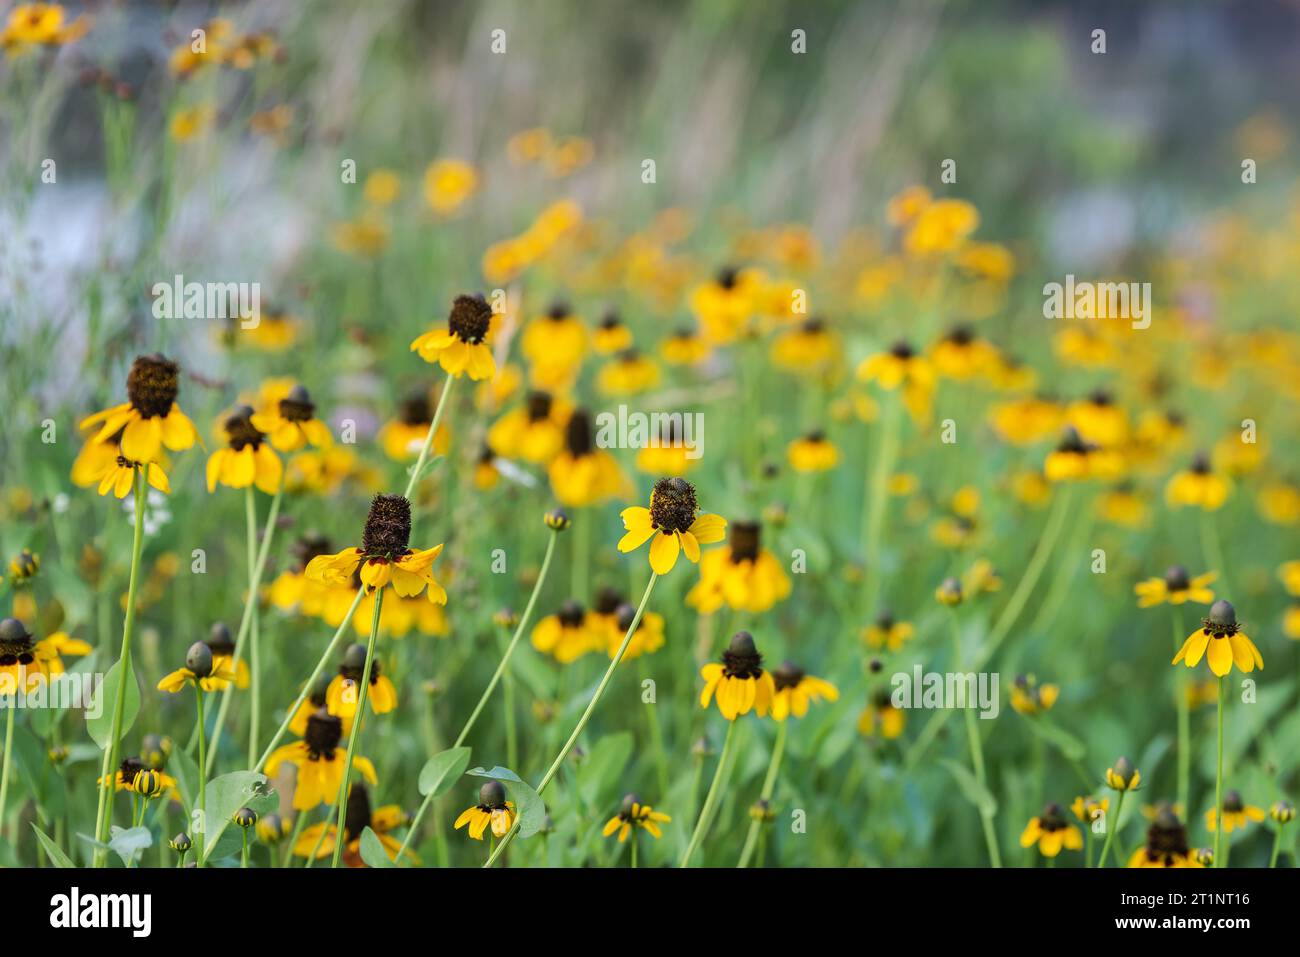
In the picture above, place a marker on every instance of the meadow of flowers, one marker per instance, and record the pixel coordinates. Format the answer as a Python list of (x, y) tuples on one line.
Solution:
[(636, 439)]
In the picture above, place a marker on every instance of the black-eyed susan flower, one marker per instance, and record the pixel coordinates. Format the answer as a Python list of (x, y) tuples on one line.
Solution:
[(315, 701), (1090, 809), (53, 648), (150, 419), (155, 749), (1075, 460), (1166, 844), (132, 775), (981, 579), (1282, 812), (724, 305), (1098, 419), (630, 373), (646, 640), (181, 844), (666, 453), (461, 349), (881, 717), (1051, 831), (384, 557), (1198, 486), (554, 345), (1123, 506), (1221, 642), (271, 829), (961, 355), (949, 592), (887, 632), (611, 335), (1236, 814), (248, 458), (202, 668), (448, 183), (402, 438), (341, 695), (222, 644), (1026, 420), (795, 690), (319, 761), (684, 347), (809, 349), (566, 635), (290, 423), (739, 684), (1175, 588), (492, 809), (940, 227), (533, 432), (1122, 776), (671, 521), (1028, 697), (319, 838), (20, 667), (901, 367), (812, 453), (742, 575), (39, 24), (633, 814), (583, 474)]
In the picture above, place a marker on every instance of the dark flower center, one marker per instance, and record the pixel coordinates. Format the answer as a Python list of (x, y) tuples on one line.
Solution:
[(727, 277), (129, 769), (1166, 838), (414, 410), (577, 434), (608, 600), (308, 547), (741, 659), (745, 540), (470, 318), (611, 322), (787, 675), (1201, 464), (901, 350), (1176, 579), (1101, 397), (324, 732), (152, 385), (387, 533), (1232, 802), (1072, 443), (240, 431), (353, 672), (626, 615), (538, 405), (673, 505), (1052, 819), (961, 336), (297, 406), (358, 816), (570, 614), (558, 311), (814, 325)]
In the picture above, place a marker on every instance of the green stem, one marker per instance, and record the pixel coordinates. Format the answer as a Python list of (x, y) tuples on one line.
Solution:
[(311, 681), (1111, 829), (299, 820), (104, 814), (428, 438), (255, 658), (1277, 847), (1184, 721), (243, 856), (200, 844), (586, 715), (1218, 780), (355, 734), (1008, 618), (487, 692), (976, 752), (769, 785), (711, 798), (11, 707), (634, 848), (246, 621)]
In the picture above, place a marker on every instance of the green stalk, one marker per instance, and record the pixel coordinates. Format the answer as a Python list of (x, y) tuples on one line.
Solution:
[(299, 820), (769, 785), (586, 715), (355, 734), (711, 798), (976, 752), (1110, 831), (255, 658), (1218, 780), (1010, 614), (487, 692), (311, 681), (1277, 846), (246, 621), (200, 844), (428, 440), (104, 814), (1184, 721), (9, 747)]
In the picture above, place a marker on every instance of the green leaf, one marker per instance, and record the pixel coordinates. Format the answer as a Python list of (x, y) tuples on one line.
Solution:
[(604, 765), (52, 850), (528, 803), (372, 851), (227, 794), (1059, 738), (975, 792), (442, 771), (105, 699), (130, 843)]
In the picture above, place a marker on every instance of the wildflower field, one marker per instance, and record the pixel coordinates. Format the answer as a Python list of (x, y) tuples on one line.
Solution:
[(630, 435)]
